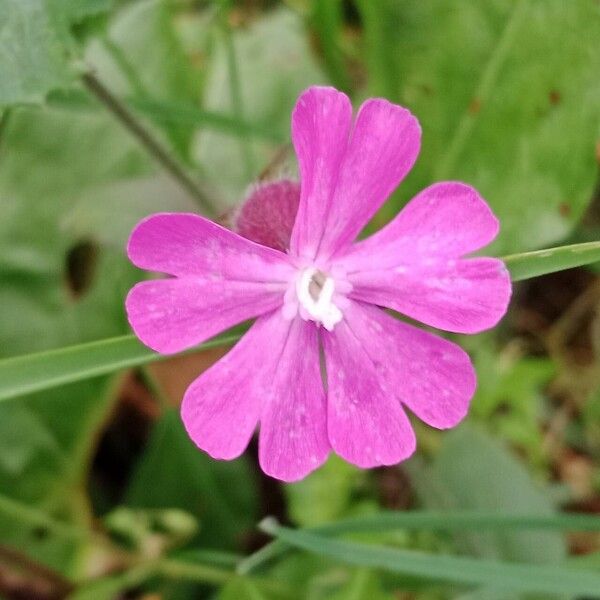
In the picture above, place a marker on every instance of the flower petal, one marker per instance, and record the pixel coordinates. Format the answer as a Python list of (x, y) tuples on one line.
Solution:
[(448, 219), (272, 375), (170, 315), (433, 377), (220, 410), (187, 244), (383, 147), (463, 296), (267, 216), (293, 429), (366, 423), (321, 124)]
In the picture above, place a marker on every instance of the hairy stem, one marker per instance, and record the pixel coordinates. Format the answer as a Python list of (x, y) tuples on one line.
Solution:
[(148, 141)]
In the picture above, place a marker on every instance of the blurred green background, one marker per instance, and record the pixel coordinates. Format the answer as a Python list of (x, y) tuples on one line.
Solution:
[(114, 109)]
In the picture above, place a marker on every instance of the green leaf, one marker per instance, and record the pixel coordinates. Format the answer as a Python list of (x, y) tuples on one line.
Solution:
[(550, 580), (507, 95), (33, 372), (461, 521), (472, 471), (220, 494), (533, 264), (35, 46), (32, 54), (434, 521)]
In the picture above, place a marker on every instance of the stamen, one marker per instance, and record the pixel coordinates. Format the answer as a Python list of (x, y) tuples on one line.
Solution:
[(316, 284), (315, 291)]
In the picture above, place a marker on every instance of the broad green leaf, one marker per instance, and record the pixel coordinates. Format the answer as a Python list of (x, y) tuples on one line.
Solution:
[(32, 54), (472, 471), (220, 494), (519, 577), (36, 44), (93, 217), (541, 262), (507, 94)]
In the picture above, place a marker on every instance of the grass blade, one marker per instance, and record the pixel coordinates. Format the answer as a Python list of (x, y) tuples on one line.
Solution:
[(33, 372), (461, 521), (514, 577), (541, 262), (435, 521)]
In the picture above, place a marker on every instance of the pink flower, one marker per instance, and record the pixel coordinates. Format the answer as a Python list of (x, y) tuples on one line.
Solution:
[(326, 292)]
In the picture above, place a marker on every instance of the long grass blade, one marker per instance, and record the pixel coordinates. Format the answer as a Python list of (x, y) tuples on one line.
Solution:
[(434, 521), (511, 577), (541, 262), (33, 372)]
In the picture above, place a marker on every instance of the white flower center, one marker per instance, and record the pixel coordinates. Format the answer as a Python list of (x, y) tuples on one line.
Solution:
[(317, 297)]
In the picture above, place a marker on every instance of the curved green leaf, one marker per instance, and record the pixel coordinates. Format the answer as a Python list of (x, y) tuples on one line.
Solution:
[(551, 579), (437, 521), (540, 262), (33, 372)]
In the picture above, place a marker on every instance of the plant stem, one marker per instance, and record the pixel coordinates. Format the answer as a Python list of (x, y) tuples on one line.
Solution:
[(150, 143)]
